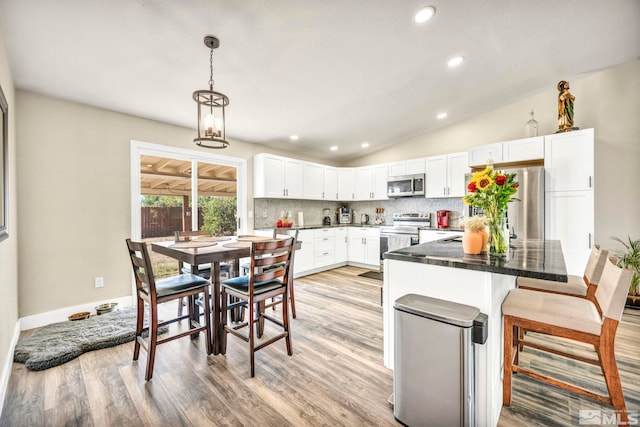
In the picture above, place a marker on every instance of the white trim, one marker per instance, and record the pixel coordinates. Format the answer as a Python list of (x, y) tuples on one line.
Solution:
[(8, 364), (60, 315)]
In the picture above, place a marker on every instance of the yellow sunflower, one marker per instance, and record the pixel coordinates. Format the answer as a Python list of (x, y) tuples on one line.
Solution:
[(483, 182), (480, 174)]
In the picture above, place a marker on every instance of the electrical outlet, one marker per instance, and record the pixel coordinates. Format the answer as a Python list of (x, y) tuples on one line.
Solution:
[(265, 214), (99, 282)]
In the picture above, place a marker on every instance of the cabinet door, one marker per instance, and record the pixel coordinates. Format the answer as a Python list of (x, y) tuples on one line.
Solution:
[(364, 183), (569, 217), (416, 166), (372, 248), (346, 184), (398, 168), (304, 257), (479, 156), (293, 179), (436, 176), (269, 176), (312, 180), (523, 149), (341, 248), (568, 161), (380, 176), (456, 169), (330, 183)]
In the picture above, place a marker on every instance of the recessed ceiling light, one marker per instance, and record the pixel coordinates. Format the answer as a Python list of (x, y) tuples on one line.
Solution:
[(424, 14), (364, 144), (333, 148), (455, 61), (442, 116), (294, 137)]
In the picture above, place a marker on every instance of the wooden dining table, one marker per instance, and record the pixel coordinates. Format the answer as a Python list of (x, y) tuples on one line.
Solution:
[(212, 250)]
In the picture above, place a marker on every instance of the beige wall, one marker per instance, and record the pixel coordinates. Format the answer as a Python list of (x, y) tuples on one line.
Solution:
[(9, 246), (607, 101)]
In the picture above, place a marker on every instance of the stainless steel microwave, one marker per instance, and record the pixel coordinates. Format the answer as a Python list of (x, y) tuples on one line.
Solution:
[(405, 185)]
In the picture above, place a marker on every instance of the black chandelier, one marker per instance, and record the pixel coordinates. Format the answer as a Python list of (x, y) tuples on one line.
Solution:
[(211, 104)]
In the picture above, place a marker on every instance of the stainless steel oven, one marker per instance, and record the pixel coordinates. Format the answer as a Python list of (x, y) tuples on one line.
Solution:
[(404, 232)]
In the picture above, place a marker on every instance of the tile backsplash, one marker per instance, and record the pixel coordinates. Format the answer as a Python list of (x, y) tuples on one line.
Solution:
[(267, 211)]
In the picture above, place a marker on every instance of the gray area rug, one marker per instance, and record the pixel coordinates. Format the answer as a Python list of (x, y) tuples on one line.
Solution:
[(372, 275), (57, 343)]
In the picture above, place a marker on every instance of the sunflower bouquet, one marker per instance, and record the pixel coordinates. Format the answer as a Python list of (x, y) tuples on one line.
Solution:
[(491, 190)]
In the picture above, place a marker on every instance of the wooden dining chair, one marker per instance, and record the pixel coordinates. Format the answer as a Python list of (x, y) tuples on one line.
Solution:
[(571, 318), (268, 277), (152, 293), (583, 286)]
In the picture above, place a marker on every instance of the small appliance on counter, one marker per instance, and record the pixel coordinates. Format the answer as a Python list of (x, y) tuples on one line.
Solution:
[(364, 219), (344, 215), (327, 218), (443, 218)]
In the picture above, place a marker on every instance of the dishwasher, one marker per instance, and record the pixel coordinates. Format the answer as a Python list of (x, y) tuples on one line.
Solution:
[(433, 376)]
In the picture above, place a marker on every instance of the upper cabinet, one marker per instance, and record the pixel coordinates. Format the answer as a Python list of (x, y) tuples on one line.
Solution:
[(518, 150), (313, 181), (371, 182), (569, 161), (330, 183), (445, 175), (346, 184), (407, 167), (277, 177)]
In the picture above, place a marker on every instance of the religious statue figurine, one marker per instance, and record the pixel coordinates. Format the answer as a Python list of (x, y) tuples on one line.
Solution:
[(565, 108)]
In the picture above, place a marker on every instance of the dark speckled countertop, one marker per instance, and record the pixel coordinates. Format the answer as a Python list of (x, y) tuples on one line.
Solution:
[(540, 259)]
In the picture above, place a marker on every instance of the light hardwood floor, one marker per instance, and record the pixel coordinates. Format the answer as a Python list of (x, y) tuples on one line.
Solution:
[(335, 376)]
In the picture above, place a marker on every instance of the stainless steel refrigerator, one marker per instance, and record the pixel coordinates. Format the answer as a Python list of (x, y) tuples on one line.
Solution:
[(526, 217)]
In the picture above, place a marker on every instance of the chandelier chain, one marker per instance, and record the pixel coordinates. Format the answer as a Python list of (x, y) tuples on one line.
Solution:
[(211, 69)]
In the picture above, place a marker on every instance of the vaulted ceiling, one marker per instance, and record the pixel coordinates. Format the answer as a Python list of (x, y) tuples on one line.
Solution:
[(336, 73)]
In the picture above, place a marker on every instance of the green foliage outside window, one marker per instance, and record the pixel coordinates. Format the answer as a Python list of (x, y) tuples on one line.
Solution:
[(219, 215)]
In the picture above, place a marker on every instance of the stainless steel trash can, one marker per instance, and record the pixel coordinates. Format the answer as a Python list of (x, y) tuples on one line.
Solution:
[(433, 377)]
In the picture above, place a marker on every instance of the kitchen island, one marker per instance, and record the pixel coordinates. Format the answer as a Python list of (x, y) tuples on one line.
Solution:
[(441, 270)]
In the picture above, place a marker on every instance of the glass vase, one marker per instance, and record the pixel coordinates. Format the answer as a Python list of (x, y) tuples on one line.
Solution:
[(498, 237)]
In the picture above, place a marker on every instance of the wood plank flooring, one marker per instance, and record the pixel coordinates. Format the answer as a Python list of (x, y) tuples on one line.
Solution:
[(335, 376)]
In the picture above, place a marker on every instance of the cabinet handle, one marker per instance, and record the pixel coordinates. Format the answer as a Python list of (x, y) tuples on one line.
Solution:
[(284, 192), (346, 240), (589, 240), (336, 196), (589, 181), (444, 191), (323, 194)]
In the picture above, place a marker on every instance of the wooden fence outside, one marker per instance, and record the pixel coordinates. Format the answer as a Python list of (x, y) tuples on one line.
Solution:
[(164, 221)]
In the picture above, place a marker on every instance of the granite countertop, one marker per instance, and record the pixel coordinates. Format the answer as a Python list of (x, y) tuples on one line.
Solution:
[(540, 259)]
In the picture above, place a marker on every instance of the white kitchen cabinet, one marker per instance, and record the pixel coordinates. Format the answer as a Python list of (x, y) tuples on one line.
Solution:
[(407, 167), (364, 246), (277, 177), (478, 156), (324, 247), (569, 161), (433, 235), (313, 181), (330, 183), (341, 245), (346, 184), (304, 257), (569, 218), (521, 150), (445, 175), (371, 182)]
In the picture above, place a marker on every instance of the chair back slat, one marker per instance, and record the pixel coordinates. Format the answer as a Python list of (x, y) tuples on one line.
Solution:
[(141, 263), (613, 288), (270, 260), (595, 265)]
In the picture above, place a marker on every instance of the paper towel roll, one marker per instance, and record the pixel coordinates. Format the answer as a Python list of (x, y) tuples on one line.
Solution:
[(300, 220)]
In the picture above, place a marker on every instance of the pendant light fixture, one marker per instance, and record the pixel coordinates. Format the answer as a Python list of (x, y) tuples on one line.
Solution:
[(211, 104)]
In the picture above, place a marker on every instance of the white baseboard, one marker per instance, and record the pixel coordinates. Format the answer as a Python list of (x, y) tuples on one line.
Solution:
[(8, 364), (60, 315)]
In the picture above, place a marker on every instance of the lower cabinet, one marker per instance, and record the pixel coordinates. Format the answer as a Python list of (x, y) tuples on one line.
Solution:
[(323, 242), (341, 245), (305, 256), (364, 246)]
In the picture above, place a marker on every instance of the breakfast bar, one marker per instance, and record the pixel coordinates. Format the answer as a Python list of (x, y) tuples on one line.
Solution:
[(441, 270)]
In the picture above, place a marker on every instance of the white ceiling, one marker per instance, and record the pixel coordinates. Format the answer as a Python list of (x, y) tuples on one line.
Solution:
[(334, 72)]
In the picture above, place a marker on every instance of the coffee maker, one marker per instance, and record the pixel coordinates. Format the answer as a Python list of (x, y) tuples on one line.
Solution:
[(327, 218), (443, 218), (344, 216)]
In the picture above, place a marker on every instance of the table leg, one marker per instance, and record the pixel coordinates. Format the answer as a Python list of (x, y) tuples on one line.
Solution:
[(216, 331), (194, 309)]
